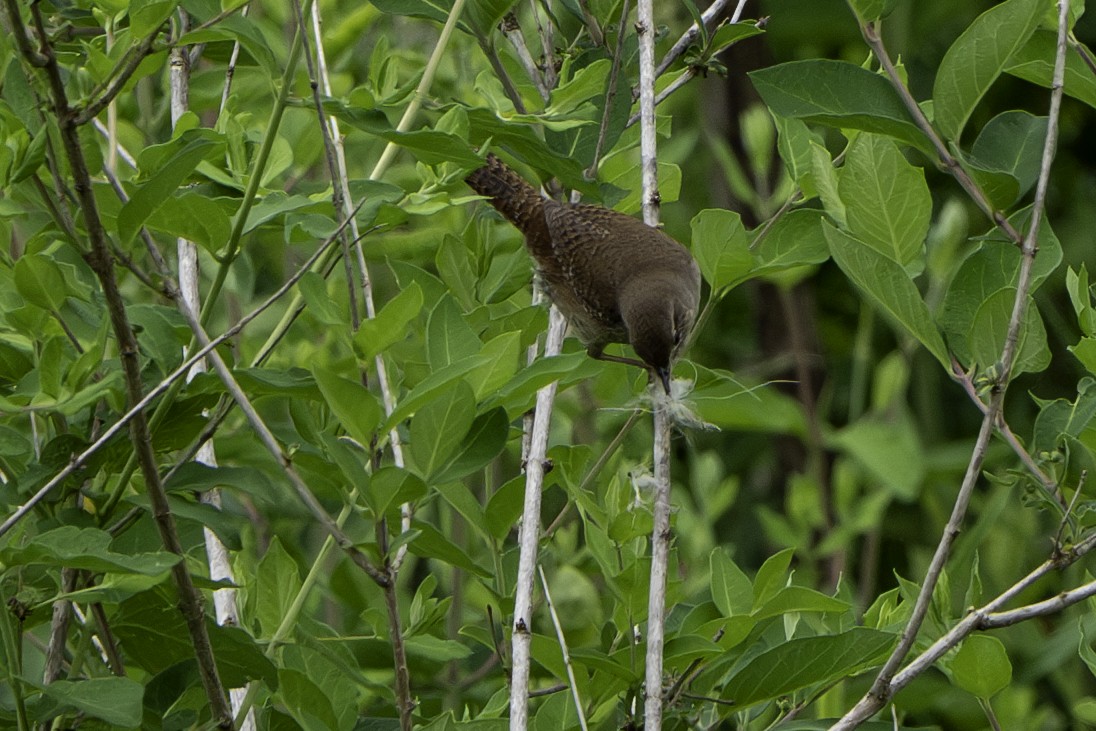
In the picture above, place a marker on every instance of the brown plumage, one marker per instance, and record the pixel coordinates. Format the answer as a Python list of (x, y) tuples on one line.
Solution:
[(616, 279)]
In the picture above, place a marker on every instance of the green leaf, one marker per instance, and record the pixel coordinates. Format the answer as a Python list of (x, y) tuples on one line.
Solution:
[(432, 544), (194, 217), (352, 404), (981, 666), (887, 202), (978, 57), (731, 589), (392, 485), (313, 290), (39, 280), (390, 325), (504, 507), (804, 662), (1035, 63), (794, 240), (306, 701), (440, 427), (1012, 142), (483, 441), (986, 338), (503, 358), (145, 16), (116, 701), (838, 94), (448, 335), (84, 548), (275, 587), (772, 576), (721, 248), (889, 287), (798, 599), (826, 181), (888, 449), (163, 184), (869, 10)]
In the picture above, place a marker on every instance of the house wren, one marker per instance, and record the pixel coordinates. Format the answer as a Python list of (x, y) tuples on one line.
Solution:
[(616, 279)]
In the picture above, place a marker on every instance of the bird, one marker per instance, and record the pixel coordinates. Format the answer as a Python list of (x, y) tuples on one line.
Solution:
[(616, 279)]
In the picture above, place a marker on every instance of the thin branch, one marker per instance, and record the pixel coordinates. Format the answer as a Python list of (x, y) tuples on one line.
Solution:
[(593, 29), (512, 30), (125, 70), (610, 93), (529, 535), (100, 261), (884, 685), (563, 649), (709, 16)]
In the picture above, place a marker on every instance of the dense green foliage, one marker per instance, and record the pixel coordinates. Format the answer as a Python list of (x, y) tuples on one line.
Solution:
[(859, 286)]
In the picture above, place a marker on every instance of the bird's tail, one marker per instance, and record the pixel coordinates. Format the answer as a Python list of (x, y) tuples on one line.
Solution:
[(514, 198)]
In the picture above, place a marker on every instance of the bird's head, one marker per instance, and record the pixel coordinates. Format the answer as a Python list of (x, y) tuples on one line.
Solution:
[(658, 308)]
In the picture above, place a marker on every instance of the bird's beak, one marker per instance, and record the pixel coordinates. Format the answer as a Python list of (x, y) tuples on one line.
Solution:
[(664, 376)]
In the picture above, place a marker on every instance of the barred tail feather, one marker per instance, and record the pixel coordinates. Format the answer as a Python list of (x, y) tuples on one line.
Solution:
[(514, 198)]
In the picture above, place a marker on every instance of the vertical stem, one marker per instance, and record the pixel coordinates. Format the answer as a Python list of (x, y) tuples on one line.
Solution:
[(529, 536)]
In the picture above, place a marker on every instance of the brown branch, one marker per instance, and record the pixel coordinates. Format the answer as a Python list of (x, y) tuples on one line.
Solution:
[(101, 262), (126, 69)]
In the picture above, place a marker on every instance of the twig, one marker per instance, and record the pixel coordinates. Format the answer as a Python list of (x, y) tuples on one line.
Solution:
[(610, 92), (1084, 54), (125, 70), (512, 30), (660, 530), (563, 649), (529, 536), (595, 33), (217, 556), (884, 685), (709, 16)]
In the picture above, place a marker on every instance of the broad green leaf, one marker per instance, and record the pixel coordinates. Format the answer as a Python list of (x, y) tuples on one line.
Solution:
[(520, 392), (390, 325), (39, 280), (827, 182), (313, 289), (145, 16), (721, 248), (981, 667), (986, 338), (84, 548), (798, 599), (838, 94), (794, 144), (887, 203), (1035, 63), (482, 442), (352, 404), (392, 485), (729, 34), (669, 186), (306, 701), (772, 576), (731, 589), (1012, 142), (431, 544), (889, 287), (794, 240), (977, 58), (869, 10), (504, 507), (503, 358), (334, 680), (194, 217), (449, 338), (888, 449), (804, 662), (116, 701), (1085, 649), (430, 387), (163, 183), (1080, 295), (454, 263), (440, 427), (275, 587)]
